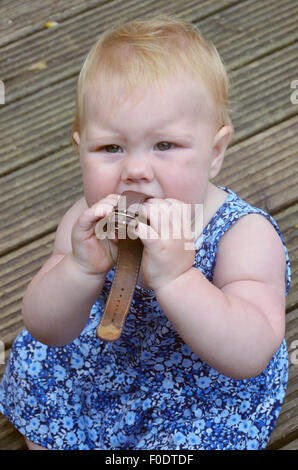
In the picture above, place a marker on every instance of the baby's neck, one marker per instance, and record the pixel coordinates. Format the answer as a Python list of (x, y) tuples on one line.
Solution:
[(214, 199)]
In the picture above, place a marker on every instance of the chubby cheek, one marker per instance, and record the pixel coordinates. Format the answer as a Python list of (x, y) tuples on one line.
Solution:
[(187, 182), (98, 182)]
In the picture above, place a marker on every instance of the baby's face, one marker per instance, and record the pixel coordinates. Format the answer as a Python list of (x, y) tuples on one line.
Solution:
[(161, 144)]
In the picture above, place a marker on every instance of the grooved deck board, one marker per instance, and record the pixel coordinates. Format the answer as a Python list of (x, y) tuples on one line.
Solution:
[(40, 124), (19, 266), (40, 175), (263, 168), (52, 183), (286, 428), (28, 17)]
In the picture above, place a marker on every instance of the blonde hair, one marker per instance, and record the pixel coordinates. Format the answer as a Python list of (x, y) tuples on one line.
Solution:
[(142, 53)]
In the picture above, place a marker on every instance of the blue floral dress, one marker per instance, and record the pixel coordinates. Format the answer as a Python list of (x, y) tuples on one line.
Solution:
[(146, 390)]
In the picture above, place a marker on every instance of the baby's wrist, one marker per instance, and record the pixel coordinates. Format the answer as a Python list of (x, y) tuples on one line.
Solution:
[(84, 271), (173, 285)]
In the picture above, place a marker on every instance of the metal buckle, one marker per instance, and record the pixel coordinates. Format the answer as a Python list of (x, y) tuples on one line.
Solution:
[(120, 218)]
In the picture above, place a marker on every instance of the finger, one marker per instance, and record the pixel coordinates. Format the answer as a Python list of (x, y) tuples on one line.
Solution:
[(87, 220), (160, 217), (103, 209), (106, 205), (111, 248), (145, 232), (181, 219), (93, 214)]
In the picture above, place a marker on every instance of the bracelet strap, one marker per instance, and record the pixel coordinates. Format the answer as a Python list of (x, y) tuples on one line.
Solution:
[(127, 268)]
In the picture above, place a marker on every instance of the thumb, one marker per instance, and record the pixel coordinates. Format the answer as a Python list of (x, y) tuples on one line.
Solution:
[(146, 233), (110, 248)]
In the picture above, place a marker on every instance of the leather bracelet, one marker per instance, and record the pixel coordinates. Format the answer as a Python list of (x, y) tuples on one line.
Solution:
[(127, 268)]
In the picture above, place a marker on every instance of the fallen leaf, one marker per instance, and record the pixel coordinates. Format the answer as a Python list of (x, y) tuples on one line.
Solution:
[(50, 24), (37, 66)]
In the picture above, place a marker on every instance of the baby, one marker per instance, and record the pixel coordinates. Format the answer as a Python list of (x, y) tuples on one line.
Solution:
[(202, 361)]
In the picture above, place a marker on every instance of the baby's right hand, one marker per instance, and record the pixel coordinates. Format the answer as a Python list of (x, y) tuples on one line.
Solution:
[(91, 254)]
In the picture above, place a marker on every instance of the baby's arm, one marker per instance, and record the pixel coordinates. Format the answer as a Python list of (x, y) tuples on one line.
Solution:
[(57, 303), (237, 323)]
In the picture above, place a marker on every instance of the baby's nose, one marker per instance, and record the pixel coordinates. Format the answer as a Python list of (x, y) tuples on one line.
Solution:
[(137, 168)]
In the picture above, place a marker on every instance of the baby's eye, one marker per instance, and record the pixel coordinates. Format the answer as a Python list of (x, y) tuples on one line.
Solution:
[(164, 145), (112, 148)]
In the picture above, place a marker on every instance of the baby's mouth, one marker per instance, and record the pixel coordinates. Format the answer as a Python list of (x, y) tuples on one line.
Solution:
[(144, 191)]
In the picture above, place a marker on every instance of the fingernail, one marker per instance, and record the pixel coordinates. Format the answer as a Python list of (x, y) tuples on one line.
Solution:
[(100, 212)]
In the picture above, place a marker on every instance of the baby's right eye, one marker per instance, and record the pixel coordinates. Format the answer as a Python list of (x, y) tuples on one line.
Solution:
[(112, 148)]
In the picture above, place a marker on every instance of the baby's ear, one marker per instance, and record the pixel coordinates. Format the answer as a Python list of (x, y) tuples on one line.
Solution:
[(220, 143), (76, 138)]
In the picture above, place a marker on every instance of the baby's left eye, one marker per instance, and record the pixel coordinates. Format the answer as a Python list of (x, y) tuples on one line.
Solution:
[(164, 145)]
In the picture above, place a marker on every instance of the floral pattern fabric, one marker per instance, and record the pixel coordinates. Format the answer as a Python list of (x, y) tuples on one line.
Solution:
[(146, 390)]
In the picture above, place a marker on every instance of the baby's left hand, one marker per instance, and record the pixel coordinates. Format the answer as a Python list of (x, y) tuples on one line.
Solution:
[(165, 257)]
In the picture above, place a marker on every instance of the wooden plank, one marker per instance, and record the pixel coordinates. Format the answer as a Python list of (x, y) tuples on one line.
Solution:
[(286, 429), (287, 221), (252, 29), (10, 438), (40, 124), (16, 271), (36, 126), (248, 170), (21, 18), (62, 49), (51, 186), (291, 446), (40, 162), (258, 87), (263, 169), (18, 267), (282, 435), (62, 53), (51, 113)]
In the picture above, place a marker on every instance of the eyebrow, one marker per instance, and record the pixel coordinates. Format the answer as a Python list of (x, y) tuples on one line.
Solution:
[(105, 137), (173, 135)]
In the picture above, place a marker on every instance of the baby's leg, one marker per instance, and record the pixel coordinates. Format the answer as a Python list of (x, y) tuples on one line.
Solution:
[(32, 446)]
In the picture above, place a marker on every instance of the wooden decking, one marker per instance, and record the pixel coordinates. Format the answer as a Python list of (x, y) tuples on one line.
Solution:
[(40, 174)]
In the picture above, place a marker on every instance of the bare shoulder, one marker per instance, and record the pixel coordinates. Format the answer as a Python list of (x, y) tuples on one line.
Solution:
[(251, 249), (251, 265), (62, 243)]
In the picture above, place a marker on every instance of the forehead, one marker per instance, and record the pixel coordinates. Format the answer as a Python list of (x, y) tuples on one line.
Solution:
[(176, 99)]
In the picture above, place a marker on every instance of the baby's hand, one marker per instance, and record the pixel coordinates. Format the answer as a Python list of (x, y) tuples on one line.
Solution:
[(165, 256), (93, 256)]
